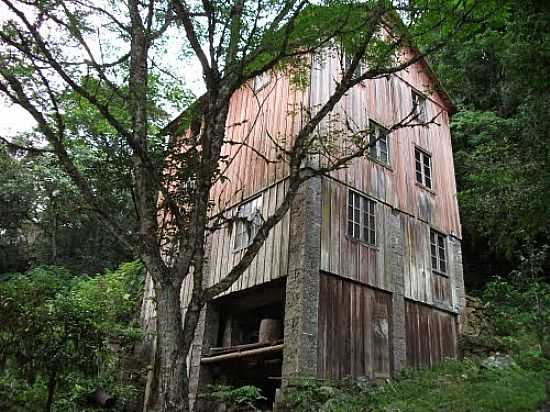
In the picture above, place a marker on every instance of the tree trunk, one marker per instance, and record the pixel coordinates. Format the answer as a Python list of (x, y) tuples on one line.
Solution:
[(52, 383), (171, 394)]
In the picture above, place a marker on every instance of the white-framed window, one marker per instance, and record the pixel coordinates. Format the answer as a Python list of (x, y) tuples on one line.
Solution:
[(347, 63), (246, 223), (261, 81), (438, 251), (423, 165), (379, 148), (419, 106), (361, 218)]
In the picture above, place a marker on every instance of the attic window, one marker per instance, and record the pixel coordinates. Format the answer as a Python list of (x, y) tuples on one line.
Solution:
[(419, 107), (378, 140), (247, 221), (347, 63), (261, 81)]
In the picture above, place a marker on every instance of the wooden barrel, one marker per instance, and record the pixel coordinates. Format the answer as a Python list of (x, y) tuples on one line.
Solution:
[(270, 330)]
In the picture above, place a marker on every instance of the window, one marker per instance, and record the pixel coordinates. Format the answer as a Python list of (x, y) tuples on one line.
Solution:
[(423, 163), (419, 107), (439, 259), (347, 63), (247, 221), (361, 218), (379, 144), (261, 81)]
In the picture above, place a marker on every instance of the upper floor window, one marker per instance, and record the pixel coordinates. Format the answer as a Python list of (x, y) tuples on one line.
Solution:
[(261, 81), (378, 148), (347, 63), (423, 162), (419, 106), (361, 218), (438, 251), (247, 222)]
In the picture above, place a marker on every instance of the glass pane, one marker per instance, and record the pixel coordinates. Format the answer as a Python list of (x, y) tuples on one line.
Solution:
[(426, 161), (434, 262), (428, 182), (372, 239), (350, 228)]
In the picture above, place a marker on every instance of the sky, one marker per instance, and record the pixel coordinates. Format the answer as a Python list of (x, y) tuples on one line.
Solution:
[(14, 119)]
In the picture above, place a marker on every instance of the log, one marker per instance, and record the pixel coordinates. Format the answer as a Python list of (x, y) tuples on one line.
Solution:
[(227, 349), (243, 354), (270, 330)]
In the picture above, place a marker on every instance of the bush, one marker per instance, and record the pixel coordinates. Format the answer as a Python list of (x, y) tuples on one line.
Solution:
[(56, 335)]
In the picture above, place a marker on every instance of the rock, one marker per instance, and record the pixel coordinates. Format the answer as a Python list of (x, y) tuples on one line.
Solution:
[(498, 361)]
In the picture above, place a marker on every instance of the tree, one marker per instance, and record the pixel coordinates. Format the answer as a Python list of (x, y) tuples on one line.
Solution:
[(71, 46), (57, 331), (499, 78)]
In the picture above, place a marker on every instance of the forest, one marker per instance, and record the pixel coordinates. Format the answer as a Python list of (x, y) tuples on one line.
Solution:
[(82, 187)]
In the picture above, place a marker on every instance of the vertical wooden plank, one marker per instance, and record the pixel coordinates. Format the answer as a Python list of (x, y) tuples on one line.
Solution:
[(285, 237), (336, 225), (325, 225)]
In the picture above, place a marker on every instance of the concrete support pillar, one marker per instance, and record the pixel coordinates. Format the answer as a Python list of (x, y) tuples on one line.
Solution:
[(302, 285), (457, 279), (395, 247)]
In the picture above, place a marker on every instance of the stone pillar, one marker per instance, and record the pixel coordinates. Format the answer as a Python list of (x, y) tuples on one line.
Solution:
[(395, 251), (302, 285), (457, 279)]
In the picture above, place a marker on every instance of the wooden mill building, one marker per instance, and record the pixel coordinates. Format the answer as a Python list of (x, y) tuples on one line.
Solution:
[(363, 276)]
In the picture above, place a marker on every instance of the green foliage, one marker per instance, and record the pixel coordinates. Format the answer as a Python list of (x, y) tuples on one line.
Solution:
[(499, 79), (519, 306), (57, 330), (242, 396), (458, 386)]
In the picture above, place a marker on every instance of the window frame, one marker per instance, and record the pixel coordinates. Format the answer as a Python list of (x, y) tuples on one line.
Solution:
[(425, 178), (365, 225), (347, 58), (376, 156), (240, 227), (438, 252), (261, 81), (419, 101)]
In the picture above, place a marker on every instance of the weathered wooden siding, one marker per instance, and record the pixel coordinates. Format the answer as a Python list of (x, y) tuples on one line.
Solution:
[(343, 256), (431, 335), (387, 101), (354, 325), (270, 263), (256, 119)]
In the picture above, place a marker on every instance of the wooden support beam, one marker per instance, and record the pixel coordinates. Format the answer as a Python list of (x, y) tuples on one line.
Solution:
[(243, 354)]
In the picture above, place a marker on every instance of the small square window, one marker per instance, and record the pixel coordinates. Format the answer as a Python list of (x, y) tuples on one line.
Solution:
[(438, 251), (423, 166), (261, 81), (247, 222), (361, 218), (379, 148), (347, 63), (419, 107)]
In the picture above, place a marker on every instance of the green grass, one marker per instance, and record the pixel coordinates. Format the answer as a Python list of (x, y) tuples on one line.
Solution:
[(462, 387), (452, 386)]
